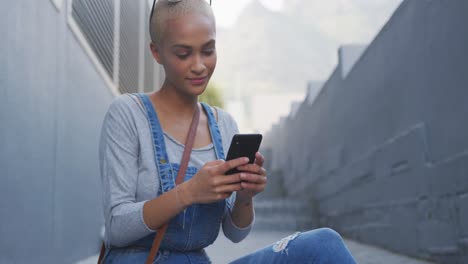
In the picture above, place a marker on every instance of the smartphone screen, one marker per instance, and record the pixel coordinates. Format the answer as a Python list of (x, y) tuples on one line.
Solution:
[(243, 145)]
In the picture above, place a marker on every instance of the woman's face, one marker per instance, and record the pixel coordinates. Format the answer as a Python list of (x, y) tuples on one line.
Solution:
[(187, 53)]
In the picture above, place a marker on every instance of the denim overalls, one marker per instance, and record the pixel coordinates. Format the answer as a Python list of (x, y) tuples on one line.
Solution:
[(191, 230)]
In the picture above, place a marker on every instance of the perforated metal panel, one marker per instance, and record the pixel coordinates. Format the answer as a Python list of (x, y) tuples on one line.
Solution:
[(129, 46), (96, 21), (125, 56)]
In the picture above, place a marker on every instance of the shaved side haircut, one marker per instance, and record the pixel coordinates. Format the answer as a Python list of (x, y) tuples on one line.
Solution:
[(165, 9)]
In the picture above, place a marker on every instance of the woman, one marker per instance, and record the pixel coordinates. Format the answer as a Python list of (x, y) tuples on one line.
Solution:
[(142, 142)]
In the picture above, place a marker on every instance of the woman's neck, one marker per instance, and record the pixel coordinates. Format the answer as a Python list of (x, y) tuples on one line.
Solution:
[(172, 102)]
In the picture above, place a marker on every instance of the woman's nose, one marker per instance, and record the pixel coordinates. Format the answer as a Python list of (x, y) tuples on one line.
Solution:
[(198, 65)]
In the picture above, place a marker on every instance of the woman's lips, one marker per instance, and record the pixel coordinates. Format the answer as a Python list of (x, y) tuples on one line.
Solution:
[(198, 81)]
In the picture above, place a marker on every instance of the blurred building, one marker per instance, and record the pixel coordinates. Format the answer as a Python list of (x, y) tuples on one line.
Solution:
[(256, 113), (381, 153), (61, 64)]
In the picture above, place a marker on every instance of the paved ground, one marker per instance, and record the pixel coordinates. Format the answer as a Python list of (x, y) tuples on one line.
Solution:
[(223, 250)]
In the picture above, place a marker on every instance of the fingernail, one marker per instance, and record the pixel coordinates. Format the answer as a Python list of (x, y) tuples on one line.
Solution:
[(246, 159)]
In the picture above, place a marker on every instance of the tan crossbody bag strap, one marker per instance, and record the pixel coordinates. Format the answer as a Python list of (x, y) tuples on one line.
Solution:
[(180, 178)]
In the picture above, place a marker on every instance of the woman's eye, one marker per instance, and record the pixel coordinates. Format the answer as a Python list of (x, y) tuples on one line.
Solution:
[(182, 55), (208, 51)]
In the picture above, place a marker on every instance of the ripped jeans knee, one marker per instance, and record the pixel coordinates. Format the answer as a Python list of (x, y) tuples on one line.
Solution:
[(282, 245), (322, 245)]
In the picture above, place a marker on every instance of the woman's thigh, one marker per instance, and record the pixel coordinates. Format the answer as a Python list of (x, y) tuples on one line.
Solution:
[(317, 246)]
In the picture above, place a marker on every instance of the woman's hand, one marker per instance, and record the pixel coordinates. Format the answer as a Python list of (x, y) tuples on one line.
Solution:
[(210, 184), (254, 179)]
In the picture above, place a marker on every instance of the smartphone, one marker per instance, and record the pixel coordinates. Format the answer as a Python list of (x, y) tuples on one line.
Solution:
[(243, 145)]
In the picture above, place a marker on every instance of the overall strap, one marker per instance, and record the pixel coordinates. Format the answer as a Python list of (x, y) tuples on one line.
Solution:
[(215, 132), (163, 165), (180, 178)]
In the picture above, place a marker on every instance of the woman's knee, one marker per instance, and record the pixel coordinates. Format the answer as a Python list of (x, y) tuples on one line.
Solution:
[(323, 239), (327, 245), (328, 234)]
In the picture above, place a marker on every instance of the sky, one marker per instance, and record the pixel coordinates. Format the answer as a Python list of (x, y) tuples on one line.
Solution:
[(226, 11)]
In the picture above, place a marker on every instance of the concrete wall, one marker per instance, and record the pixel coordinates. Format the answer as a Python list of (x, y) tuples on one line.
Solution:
[(52, 103), (383, 150)]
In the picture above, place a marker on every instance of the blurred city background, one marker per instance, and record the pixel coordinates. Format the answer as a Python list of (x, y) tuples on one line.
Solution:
[(362, 104)]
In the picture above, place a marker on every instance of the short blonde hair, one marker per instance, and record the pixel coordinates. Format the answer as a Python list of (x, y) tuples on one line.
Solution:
[(165, 9)]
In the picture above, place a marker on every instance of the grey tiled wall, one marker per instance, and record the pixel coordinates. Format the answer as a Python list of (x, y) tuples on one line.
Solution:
[(383, 150)]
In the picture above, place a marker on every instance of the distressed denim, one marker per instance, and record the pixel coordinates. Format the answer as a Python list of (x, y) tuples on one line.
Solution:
[(318, 246)]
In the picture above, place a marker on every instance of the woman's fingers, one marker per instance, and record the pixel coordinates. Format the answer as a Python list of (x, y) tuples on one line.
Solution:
[(259, 159), (212, 184), (231, 164), (253, 168), (253, 178), (256, 188), (215, 163), (228, 188), (226, 179)]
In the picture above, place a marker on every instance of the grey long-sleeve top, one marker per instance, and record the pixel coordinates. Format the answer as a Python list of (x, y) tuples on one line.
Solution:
[(129, 174)]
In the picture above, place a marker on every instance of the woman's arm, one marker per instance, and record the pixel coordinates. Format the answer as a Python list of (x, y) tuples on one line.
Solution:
[(118, 157), (162, 209), (242, 213), (253, 178), (207, 186)]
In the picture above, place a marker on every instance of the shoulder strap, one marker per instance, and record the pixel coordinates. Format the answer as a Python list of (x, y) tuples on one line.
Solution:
[(180, 178), (214, 131), (161, 157)]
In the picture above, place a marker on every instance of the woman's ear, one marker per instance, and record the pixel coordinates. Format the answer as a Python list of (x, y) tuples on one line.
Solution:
[(155, 50)]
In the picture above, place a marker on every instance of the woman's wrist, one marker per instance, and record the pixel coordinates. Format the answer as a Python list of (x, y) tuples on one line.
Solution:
[(244, 201), (242, 213), (184, 196)]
